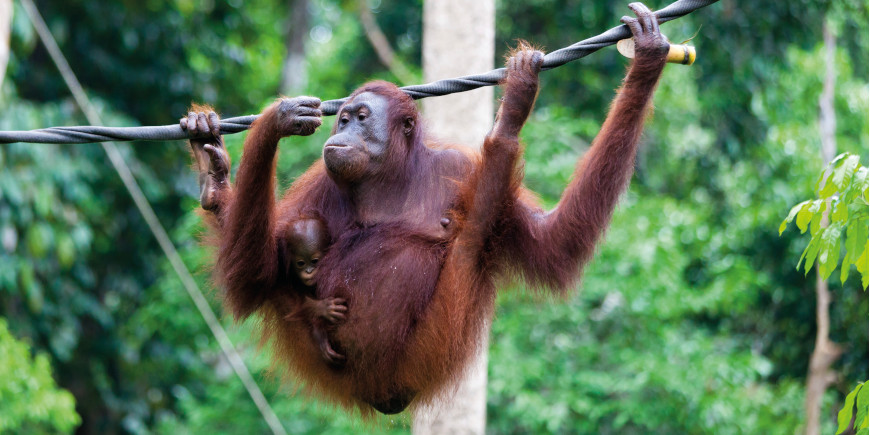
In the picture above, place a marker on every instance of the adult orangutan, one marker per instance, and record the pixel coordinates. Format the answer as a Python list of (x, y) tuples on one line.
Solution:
[(419, 232)]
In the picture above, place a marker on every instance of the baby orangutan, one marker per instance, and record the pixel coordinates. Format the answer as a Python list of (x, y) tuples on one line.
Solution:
[(307, 240)]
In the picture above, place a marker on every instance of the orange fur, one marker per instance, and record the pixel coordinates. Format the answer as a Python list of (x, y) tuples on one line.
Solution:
[(418, 294)]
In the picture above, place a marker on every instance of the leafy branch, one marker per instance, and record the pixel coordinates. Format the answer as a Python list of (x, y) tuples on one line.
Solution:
[(853, 416), (842, 189)]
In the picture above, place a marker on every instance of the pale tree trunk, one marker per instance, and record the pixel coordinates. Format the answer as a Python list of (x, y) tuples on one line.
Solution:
[(459, 39), (820, 375), (294, 76), (5, 29)]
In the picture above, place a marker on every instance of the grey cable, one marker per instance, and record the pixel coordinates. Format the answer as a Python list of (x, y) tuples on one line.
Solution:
[(86, 134), (154, 225)]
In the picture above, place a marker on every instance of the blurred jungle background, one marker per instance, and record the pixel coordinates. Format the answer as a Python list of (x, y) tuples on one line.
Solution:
[(691, 319)]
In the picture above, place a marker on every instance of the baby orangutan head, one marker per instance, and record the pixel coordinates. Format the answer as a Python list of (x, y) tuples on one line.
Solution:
[(307, 240)]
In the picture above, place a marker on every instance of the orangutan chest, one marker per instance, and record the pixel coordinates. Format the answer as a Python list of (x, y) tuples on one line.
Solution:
[(379, 268)]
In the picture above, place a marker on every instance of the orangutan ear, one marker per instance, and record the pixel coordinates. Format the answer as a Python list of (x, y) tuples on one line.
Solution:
[(408, 126)]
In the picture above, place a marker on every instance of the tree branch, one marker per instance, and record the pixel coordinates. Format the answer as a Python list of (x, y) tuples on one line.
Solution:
[(820, 376), (382, 46)]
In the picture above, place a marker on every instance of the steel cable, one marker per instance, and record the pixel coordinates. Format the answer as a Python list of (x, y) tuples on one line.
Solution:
[(87, 134)]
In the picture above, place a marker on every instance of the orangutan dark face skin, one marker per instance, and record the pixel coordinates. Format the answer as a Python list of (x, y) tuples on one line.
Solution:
[(361, 138)]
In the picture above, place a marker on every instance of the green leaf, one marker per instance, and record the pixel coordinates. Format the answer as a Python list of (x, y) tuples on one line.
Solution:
[(844, 417), (791, 215), (843, 175), (837, 160), (839, 210), (861, 264), (43, 200), (825, 176), (26, 277), (66, 251), (845, 268), (830, 250), (805, 215), (35, 297), (32, 401), (818, 209), (39, 239), (829, 189), (810, 253), (861, 417), (852, 249), (858, 185)]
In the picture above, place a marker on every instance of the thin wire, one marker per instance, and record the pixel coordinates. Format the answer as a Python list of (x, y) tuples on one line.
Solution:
[(85, 134), (154, 224)]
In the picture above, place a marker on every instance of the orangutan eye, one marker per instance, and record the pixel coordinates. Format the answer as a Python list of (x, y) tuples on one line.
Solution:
[(361, 116), (300, 263)]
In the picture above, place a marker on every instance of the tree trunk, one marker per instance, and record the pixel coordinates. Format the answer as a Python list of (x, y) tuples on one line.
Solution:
[(820, 375), (5, 29), (459, 39), (294, 76)]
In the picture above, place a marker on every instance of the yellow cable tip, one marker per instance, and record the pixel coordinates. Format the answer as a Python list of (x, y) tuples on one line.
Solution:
[(678, 53)]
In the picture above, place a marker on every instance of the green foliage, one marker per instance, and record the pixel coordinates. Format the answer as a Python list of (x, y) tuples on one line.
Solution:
[(690, 320), (643, 347), (854, 411), (843, 185), (31, 400), (689, 255)]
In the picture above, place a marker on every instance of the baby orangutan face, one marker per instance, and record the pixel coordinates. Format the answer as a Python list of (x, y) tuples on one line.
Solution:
[(307, 243)]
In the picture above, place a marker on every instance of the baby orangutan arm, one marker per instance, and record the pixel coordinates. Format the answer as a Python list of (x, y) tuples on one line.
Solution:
[(322, 313)]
